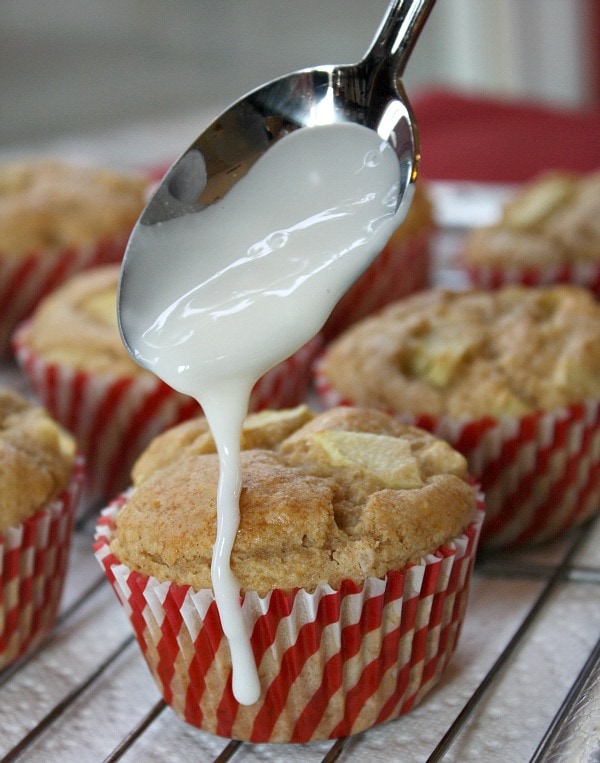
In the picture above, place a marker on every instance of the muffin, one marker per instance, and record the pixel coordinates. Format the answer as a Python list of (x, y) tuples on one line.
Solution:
[(354, 553), (548, 232), (72, 353), (57, 219), (510, 377), (40, 481), (403, 267)]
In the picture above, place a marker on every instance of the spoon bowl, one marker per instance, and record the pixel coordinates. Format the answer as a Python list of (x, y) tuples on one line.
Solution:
[(369, 93)]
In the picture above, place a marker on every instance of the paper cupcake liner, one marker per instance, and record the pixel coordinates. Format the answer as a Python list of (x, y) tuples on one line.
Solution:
[(402, 268), (540, 473), (114, 418), (585, 274), (331, 663), (33, 563), (25, 280)]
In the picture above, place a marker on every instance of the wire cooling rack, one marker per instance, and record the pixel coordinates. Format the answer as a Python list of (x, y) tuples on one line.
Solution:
[(524, 684)]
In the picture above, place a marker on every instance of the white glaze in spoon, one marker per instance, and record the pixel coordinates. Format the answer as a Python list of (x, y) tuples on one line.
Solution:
[(254, 277)]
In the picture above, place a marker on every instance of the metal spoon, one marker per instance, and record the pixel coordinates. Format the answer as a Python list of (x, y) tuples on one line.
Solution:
[(369, 93)]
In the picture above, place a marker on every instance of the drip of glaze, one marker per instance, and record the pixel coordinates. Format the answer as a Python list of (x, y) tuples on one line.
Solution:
[(216, 298)]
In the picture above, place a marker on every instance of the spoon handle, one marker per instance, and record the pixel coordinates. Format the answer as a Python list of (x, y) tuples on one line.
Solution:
[(397, 35)]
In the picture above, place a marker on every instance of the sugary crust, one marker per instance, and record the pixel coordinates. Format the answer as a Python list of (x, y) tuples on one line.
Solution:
[(472, 354), (553, 220), (263, 430), (76, 325), (50, 205), (307, 516), (36, 459)]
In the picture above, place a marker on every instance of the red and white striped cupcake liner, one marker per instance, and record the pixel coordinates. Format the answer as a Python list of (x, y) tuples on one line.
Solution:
[(540, 473), (584, 274), (33, 562), (25, 280), (286, 384), (114, 418), (403, 267), (331, 663)]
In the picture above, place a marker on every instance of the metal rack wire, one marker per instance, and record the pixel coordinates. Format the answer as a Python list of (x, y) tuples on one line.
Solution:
[(565, 731)]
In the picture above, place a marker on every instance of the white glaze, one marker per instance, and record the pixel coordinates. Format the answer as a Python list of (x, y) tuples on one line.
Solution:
[(215, 299)]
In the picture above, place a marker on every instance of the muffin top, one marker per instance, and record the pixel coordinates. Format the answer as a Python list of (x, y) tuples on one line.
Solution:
[(76, 325), (553, 220), (472, 354), (51, 205), (36, 459), (345, 494)]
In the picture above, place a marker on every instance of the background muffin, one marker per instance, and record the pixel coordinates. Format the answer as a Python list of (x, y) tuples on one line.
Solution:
[(403, 267), (72, 353), (75, 360), (510, 377), (549, 232), (350, 523), (40, 479), (55, 220)]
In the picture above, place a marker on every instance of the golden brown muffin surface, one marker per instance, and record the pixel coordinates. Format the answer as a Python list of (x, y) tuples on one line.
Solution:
[(51, 204), (345, 494), (36, 459), (472, 354), (553, 220), (76, 325)]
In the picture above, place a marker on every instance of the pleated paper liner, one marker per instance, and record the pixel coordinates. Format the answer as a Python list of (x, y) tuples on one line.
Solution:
[(584, 274), (403, 267), (331, 662), (540, 473), (33, 563), (114, 418), (26, 279)]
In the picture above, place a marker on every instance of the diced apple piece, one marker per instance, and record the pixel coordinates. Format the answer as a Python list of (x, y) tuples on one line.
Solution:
[(390, 459), (266, 428), (440, 354), (440, 457), (535, 204), (578, 369), (102, 307)]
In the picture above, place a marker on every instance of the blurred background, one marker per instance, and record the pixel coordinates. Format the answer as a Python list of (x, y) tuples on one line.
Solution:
[(79, 67)]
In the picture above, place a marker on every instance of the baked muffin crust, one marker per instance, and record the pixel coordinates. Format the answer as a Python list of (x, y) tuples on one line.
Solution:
[(36, 459), (553, 220), (50, 204), (348, 494), (76, 325), (472, 354)]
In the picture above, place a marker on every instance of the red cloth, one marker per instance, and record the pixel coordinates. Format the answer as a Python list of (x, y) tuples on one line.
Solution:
[(487, 139)]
